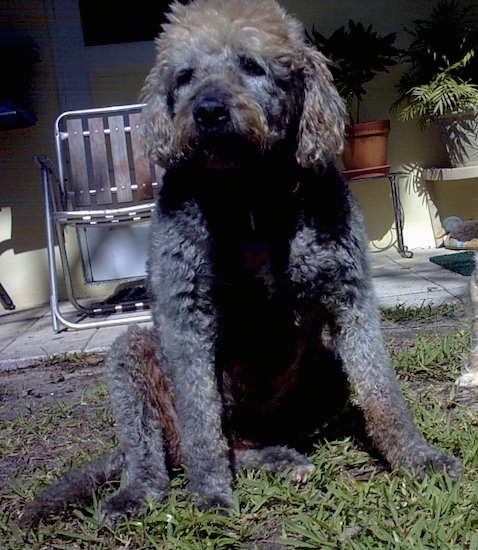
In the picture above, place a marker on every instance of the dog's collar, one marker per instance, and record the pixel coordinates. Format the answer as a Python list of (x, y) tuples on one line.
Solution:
[(256, 256)]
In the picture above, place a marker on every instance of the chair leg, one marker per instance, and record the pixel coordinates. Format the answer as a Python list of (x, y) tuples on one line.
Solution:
[(5, 298), (50, 234), (59, 321)]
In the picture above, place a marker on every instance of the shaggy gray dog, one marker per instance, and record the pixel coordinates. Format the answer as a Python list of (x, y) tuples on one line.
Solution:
[(264, 314)]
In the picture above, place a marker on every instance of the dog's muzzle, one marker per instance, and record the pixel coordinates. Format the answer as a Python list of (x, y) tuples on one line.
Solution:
[(211, 115), (217, 140)]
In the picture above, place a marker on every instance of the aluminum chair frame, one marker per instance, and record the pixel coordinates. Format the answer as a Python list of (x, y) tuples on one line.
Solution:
[(80, 194)]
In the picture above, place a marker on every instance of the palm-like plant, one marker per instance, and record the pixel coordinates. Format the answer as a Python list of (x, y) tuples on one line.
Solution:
[(441, 83), (446, 93)]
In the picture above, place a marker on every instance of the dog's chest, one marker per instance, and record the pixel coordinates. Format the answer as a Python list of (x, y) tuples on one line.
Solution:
[(253, 299), (249, 264)]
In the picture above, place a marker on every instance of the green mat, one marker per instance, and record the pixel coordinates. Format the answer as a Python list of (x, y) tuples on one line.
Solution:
[(462, 262)]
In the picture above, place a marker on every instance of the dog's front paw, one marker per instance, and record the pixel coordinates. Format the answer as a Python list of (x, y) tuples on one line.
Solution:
[(426, 459), (213, 495), (220, 502), (127, 502)]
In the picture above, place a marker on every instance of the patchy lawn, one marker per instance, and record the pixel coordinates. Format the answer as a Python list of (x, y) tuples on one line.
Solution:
[(55, 414)]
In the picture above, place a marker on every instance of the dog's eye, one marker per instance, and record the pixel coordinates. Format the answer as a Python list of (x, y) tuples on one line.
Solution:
[(251, 66), (184, 77)]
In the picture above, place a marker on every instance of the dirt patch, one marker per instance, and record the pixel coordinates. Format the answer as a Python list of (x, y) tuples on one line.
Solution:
[(64, 379), (52, 413)]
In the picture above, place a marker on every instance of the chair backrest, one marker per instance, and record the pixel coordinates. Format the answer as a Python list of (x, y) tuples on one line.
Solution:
[(101, 160)]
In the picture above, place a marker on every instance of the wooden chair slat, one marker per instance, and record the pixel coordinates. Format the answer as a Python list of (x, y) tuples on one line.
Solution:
[(78, 166), (119, 153), (142, 166), (99, 161)]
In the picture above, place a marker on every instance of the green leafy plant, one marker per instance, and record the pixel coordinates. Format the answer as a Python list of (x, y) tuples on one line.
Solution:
[(358, 53), (446, 93)]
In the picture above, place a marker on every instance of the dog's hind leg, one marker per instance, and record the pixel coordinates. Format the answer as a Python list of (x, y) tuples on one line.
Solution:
[(76, 486), (275, 459), (145, 416)]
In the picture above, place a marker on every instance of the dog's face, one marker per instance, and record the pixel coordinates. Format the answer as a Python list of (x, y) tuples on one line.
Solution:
[(234, 78), (226, 101)]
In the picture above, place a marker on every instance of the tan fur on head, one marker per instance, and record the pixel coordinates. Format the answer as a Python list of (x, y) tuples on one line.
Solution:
[(261, 30)]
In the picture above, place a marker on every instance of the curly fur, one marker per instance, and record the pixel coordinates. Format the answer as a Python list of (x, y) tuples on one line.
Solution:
[(264, 314)]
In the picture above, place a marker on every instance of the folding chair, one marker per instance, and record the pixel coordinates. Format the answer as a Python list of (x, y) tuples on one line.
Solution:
[(104, 189)]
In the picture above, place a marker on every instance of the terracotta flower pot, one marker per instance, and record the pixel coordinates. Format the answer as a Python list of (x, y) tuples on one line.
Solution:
[(366, 148)]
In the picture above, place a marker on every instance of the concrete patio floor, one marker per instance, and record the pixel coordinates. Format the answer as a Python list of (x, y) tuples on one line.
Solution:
[(27, 336)]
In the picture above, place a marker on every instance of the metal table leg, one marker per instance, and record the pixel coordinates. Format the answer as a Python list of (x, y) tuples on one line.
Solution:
[(394, 178)]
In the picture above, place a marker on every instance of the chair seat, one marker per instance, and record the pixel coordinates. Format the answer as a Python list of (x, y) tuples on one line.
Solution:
[(129, 214)]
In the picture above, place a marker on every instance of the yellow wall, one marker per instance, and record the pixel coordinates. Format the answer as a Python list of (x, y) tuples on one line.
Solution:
[(117, 87), (23, 267)]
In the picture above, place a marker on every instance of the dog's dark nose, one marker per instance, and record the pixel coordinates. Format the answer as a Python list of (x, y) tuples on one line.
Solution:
[(211, 114)]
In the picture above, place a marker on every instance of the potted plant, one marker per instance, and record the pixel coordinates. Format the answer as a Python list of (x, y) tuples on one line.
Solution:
[(358, 54), (440, 85), (452, 103)]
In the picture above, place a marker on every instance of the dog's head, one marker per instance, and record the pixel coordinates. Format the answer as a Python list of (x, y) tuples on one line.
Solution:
[(236, 77)]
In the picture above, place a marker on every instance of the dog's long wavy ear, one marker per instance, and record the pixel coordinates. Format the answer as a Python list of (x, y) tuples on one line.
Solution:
[(321, 129), (157, 121)]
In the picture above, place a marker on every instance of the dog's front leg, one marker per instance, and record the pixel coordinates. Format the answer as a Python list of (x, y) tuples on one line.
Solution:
[(360, 345), (185, 327), (336, 277)]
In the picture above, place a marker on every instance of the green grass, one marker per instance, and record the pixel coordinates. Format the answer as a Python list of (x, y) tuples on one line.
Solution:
[(351, 501), (436, 357), (427, 313)]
